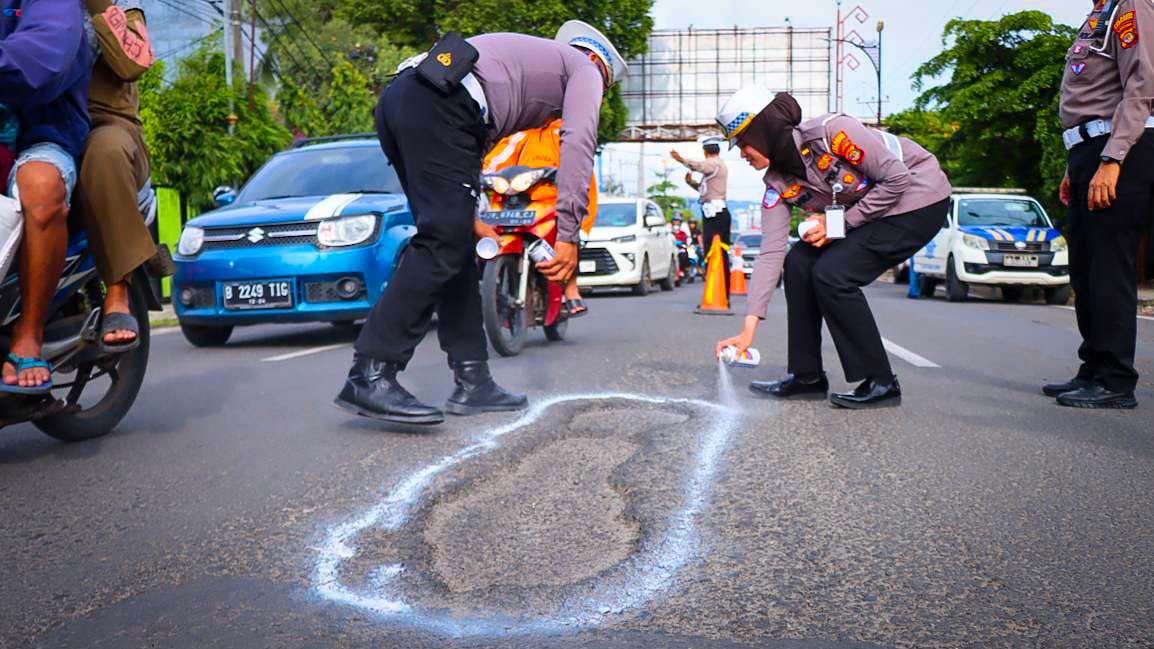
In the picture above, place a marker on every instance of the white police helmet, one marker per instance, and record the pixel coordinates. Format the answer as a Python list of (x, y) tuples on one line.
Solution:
[(711, 140), (583, 35), (739, 110)]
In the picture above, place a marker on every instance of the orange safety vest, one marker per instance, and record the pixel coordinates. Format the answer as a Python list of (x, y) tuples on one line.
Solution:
[(538, 147)]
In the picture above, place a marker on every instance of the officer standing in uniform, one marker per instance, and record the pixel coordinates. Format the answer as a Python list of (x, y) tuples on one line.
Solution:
[(435, 125), (892, 196), (1107, 101), (713, 186)]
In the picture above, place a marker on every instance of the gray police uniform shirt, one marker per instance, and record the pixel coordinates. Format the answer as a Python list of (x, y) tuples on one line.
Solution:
[(881, 175), (529, 82), (1112, 76), (715, 178)]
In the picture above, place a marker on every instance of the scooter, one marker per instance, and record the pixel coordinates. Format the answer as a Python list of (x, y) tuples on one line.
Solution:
[(92, 390), (686, 266), (515, 296)]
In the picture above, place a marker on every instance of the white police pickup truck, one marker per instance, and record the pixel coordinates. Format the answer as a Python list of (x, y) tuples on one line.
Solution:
[(997, 238)]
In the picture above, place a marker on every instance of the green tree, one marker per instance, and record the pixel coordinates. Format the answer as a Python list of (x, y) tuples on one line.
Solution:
[(186, 125), (662, 194), (926, 127), (1001, 80)]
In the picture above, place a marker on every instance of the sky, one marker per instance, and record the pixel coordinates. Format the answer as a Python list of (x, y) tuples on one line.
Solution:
[(912, 36)]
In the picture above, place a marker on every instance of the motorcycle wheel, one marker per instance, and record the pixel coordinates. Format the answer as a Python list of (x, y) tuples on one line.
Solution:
[(504, 321), (116, 379)]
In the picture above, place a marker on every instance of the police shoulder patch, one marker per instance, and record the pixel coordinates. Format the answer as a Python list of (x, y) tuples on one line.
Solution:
[(1126, 28), (824, 162), (771, 199), (793, 191)]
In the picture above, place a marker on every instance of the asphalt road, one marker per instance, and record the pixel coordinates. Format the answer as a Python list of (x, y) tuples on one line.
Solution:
[(633, 507)]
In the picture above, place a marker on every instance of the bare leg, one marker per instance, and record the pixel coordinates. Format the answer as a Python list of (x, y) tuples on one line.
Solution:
[(573, 292), (43, 196)]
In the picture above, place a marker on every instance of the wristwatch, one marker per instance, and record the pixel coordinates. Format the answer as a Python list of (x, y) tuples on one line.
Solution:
[(1106, 159)]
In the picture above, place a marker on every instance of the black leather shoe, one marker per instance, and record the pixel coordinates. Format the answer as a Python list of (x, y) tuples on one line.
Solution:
[(372, 391), (1055, 389), (1098, 397), (477, 392), (870, 394), (792, 387)]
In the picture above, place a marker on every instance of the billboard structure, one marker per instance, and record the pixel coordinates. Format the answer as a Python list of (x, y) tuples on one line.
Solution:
[(673, 92)]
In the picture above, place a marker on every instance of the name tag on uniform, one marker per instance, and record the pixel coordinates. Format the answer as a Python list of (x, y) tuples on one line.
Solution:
[(835, 222)]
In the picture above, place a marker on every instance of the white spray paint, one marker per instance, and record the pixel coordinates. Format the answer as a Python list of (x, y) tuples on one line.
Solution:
[(643, 576)]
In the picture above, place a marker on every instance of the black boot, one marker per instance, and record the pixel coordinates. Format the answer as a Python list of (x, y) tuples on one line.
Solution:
[(870, 394), (477, 392), (793, 387), (1098, 397), (372, 391)]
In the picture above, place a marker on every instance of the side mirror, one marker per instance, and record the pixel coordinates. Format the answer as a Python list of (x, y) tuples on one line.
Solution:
[(224, 195), (654, 221)]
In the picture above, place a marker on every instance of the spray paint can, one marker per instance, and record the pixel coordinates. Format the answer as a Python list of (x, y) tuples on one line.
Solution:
[(751, 357), (487, 248), (540, 251)]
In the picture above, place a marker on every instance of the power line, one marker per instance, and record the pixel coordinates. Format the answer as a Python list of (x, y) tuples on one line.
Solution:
[(300, 27), (176, 7), (177, 50), (276, 38)]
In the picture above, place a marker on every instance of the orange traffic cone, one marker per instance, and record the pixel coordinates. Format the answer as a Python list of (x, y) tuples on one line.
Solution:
[(715, 301), (737, 280)]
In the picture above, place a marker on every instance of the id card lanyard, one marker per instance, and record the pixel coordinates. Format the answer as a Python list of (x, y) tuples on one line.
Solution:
[(835, 216)]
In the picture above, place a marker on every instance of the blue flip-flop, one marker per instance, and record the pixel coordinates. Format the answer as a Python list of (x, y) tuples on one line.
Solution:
[(22, 364)]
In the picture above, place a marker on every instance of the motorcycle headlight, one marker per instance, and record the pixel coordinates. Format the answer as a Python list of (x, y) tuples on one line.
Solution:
[(191, 241), (979, 243), (346, 230), (1059, 245), (523, 181), (627, 239), (495, 184)]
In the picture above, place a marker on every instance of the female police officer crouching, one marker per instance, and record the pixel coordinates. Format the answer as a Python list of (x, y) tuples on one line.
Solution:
[(894, 197)]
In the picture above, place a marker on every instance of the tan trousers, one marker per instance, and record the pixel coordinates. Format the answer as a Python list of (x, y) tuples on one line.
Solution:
[(114, 169)]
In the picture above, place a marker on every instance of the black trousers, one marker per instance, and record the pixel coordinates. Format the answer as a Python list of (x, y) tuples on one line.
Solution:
[(825, 283), (1104, 261), (436, 144), (720, 225)]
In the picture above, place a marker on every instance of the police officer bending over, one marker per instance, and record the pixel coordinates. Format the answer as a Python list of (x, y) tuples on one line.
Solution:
[(1107, 101), (891, 196), (435, 121)]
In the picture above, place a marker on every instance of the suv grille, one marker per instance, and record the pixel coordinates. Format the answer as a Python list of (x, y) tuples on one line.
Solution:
[(1009, 246), (259, 236), (605, 263)]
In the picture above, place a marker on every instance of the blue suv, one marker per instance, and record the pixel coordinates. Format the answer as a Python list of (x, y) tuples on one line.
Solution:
[(314, 236)]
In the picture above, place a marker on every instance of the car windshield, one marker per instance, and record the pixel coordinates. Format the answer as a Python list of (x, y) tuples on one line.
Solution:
[(616, 215), (751, 241), (323, 172), (999, 211)]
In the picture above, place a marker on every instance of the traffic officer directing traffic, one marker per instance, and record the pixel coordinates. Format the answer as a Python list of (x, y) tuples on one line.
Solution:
[(876, 198), (1107, 101), (712, 187), (435, 121)]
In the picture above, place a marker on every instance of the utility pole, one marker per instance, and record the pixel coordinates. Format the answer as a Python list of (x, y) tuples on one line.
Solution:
[(837, 57), (881, 28), (233, 51)]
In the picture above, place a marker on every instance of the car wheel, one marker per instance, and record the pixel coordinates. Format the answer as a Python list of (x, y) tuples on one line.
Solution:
[(956, 289), (927, 286), (670, 280), (205, 336), (1060, 295), (645, 285)]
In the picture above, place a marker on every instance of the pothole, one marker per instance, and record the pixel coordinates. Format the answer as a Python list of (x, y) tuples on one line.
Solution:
[(554, 520)]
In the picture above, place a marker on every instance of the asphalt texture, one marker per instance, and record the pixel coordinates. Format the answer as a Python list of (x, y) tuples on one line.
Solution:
[(235, 507)]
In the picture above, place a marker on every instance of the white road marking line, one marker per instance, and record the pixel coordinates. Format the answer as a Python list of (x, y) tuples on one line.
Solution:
[(303, 352), (1070, 308), (907, 356)]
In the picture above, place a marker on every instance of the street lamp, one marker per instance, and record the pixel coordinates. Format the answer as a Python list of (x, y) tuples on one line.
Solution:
[(873, 52)]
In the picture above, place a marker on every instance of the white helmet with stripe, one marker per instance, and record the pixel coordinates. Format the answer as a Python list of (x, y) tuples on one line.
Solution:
[(581, 34), (739, 110)]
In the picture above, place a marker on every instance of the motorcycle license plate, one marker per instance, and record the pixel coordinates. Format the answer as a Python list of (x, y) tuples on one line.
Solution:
[(250, 296), (510, 218), (587, 266), (1021, 261)]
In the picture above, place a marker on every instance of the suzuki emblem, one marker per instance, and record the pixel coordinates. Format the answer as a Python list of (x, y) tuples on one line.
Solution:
[(255, 235)]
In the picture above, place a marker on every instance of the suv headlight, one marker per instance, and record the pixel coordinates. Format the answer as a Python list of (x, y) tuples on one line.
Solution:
[(972, 241), (626, 239), (1059, 245), (191, 241), (346, 230)]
